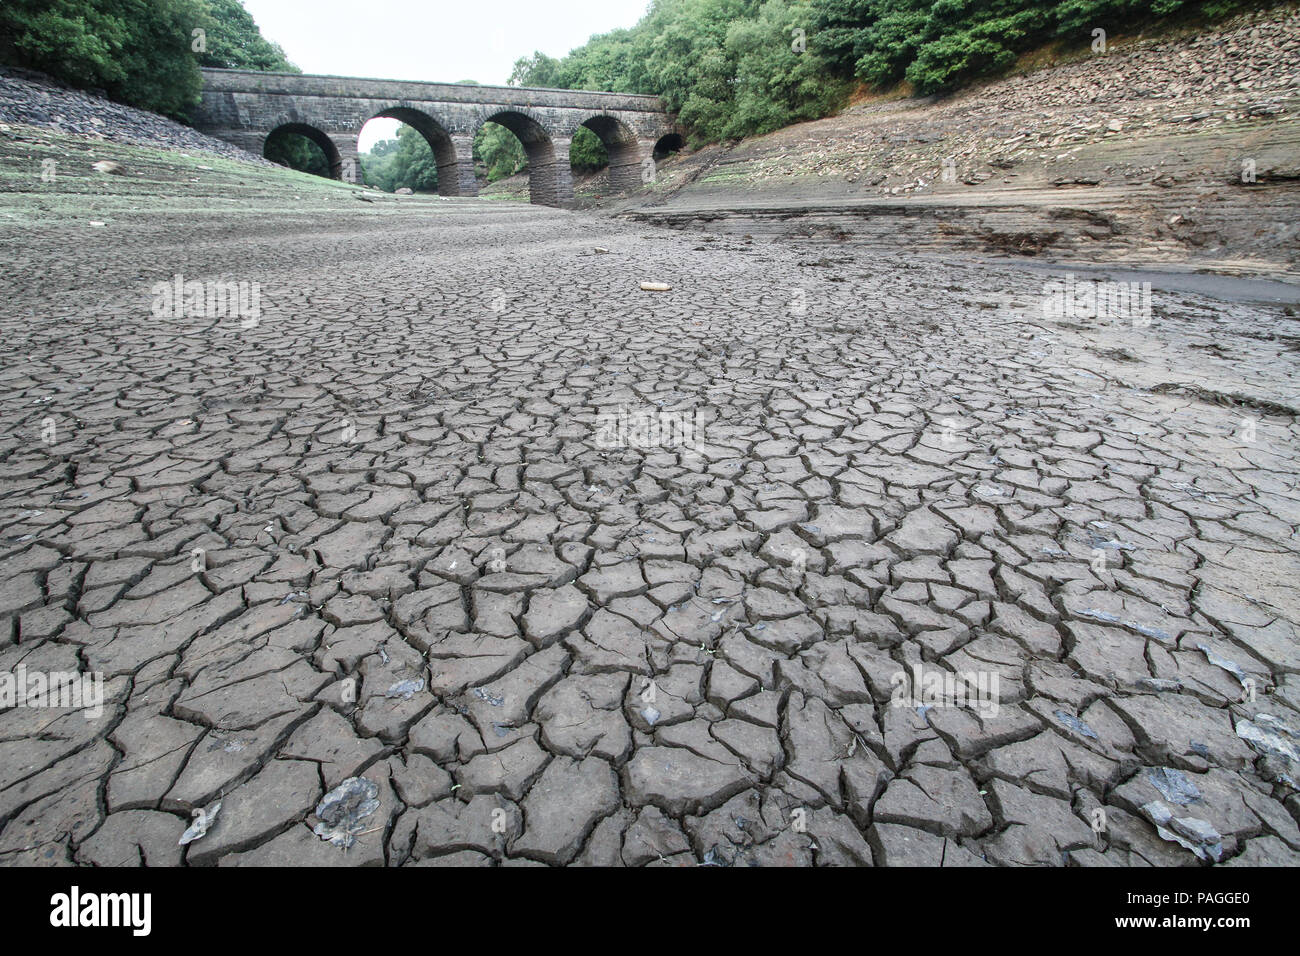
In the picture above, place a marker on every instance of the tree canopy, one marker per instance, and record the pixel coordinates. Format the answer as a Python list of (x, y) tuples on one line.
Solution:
[(237, 43), (144, 53), (733, 68)]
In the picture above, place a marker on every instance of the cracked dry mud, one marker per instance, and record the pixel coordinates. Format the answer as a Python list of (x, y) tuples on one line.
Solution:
[(392, 485)]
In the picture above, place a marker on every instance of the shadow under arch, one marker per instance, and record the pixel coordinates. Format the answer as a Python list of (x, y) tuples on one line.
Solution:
[(668, 144), (543, 177), (326, 144), (439, 140), (624, 152)]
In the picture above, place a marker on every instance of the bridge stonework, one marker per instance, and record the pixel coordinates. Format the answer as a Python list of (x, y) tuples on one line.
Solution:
[(245, 108)]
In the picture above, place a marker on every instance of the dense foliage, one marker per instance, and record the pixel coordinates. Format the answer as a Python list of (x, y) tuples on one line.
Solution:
[(141, 52), (733, 68), (144, 53), (147, 53), (237, 43), (408, 160), (405, 161), (137, 51), (498, 151)]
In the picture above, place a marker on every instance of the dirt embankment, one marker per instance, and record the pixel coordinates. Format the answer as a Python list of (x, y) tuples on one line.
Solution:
[(1169, 149)]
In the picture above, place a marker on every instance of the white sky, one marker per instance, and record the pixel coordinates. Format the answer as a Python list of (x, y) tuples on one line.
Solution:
[(436, 40)]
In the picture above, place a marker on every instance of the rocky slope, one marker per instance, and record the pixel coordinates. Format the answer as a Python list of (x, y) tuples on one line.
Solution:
[(1180, 148), (29, 99)]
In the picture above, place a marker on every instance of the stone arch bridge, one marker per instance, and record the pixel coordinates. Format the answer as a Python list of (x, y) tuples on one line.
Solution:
[(245, 108)]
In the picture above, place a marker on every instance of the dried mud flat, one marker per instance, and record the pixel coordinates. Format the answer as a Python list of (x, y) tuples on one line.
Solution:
[(375, 535)]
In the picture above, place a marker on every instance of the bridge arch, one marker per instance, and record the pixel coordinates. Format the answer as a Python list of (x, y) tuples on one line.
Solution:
[(317, 136), (547, 182), (624, 149), (668, 144), (450, 152)]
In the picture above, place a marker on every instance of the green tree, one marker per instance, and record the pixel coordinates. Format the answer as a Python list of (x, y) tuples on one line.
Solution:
[(137, 51), (408, 161), (538, 70), (499, 150), (687, 61), (586, 151), (72, 40), (874, 39), (235, 42), (781, 75), (405, 162), (726, 67)]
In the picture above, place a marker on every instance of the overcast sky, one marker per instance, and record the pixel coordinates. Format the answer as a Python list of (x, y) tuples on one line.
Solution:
[(439, 40)]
